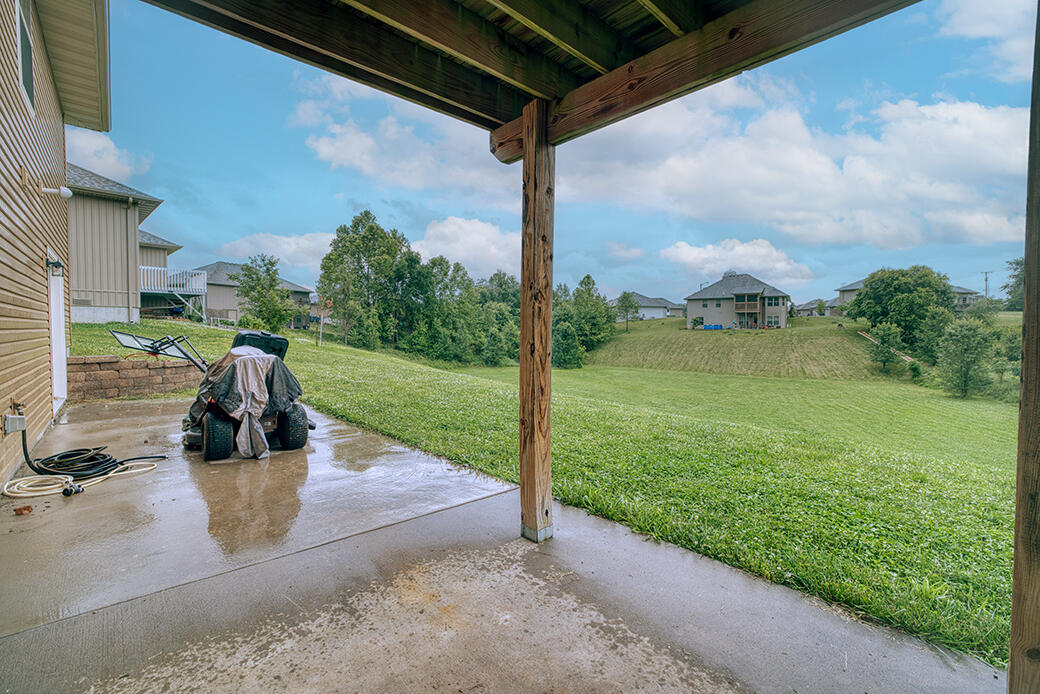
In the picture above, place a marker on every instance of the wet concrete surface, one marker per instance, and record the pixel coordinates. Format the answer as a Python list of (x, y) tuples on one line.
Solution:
[(191, 518), (452, 601), (444, 600)]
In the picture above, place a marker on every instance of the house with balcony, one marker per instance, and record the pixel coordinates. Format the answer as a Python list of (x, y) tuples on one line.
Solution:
[(224, 304), (119, 271), (738, 300)]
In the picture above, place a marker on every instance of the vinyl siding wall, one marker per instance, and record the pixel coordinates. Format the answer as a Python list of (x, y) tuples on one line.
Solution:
[(104, 253), (222, 301), (30, 223), (153, 257), (712, 315)]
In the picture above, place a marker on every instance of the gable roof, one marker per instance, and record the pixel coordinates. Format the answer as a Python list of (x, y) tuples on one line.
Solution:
[(736, 283), (652, 301), (852, 286), (145, 238), (86, 182), (217, 273), (962, 290)]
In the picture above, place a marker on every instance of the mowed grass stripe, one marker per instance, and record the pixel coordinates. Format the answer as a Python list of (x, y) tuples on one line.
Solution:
[(812, 348)]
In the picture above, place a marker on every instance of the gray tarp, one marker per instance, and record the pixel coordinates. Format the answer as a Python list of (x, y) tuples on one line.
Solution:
[(247, 384)]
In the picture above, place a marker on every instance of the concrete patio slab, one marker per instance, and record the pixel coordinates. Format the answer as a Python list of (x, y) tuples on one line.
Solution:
[(190, 518), (450, 600)]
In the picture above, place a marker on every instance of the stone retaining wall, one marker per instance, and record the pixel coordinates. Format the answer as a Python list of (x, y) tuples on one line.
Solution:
[(108, 376)]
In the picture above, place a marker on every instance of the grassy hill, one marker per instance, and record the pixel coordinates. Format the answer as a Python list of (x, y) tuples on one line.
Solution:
[(871, 494), (810, 348)]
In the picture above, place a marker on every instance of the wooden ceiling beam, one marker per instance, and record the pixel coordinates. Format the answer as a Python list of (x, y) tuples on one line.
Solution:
[(678, 16), (755, 34), (331, 36), (465, 35), (573, 27)]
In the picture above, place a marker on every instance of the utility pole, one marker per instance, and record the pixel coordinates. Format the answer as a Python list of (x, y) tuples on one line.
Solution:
[(986, 273)]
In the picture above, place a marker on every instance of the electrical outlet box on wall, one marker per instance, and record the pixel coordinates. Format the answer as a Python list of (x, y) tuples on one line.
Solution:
[(14, 423)]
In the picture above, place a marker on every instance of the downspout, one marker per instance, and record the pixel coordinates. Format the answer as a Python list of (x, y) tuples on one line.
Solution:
[(131, 243)]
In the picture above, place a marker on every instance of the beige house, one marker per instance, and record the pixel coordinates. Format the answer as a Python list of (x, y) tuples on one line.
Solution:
[(963, 298), (119, 269), (222, 301), (738, 300), (53, 72)]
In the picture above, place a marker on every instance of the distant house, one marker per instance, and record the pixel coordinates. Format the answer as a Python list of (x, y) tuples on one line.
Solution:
[(809, 308), (118, 269), (653, 307), (738, 300), (964, 298), (222, 299), (849, 291)]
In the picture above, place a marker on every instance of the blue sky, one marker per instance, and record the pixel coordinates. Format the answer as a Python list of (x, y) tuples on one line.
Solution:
[(900, 142)]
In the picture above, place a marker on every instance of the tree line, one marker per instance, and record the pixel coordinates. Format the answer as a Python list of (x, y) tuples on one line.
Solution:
[(380, 293), (912, 310)]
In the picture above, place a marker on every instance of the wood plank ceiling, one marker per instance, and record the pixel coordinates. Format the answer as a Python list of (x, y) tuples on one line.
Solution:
[(594, 61)]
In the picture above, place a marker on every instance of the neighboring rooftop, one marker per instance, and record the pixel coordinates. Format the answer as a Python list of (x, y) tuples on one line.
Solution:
[(217, 273), (85, 181), (962, 290), (852, 286), (736, 283), (146, 238), (652, 301)]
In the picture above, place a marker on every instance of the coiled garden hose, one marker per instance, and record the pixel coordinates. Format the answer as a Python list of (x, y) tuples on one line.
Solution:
[(70, 472)]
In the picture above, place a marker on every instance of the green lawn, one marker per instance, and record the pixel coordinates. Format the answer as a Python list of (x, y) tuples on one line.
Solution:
[(888, 498), (811, 348)]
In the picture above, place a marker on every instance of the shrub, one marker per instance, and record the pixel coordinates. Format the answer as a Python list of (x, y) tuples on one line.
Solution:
[(964, 357), (914, 368)]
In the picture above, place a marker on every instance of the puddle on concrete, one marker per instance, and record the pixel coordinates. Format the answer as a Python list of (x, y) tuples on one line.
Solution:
[(191, 519)]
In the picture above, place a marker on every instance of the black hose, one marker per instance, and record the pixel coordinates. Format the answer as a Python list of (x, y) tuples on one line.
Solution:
[(78, 463)]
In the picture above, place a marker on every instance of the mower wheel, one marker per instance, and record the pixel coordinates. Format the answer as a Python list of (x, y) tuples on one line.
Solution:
[(292, 428), (218, 437)]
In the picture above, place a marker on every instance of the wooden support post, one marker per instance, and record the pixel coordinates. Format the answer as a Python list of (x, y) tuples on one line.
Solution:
[(536, 297), (1024, 664)]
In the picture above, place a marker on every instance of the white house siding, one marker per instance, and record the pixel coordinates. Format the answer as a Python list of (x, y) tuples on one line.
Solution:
[(646, 312), (31, 224), (105, 257)]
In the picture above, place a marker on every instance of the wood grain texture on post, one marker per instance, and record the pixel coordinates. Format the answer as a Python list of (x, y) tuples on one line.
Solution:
[(1024, 663), (536, 325)]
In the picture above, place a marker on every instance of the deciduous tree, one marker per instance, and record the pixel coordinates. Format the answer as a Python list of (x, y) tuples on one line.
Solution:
[(259, 286), (964, 355)]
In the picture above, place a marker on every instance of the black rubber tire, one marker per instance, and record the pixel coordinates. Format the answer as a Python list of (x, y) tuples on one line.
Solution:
[(218, 437), (292, 428)]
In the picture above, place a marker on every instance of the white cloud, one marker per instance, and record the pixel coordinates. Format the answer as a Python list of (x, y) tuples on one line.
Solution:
[(481, 247), (97, 152), (1005, 25), (759, 258), (623, 251), (301, 251), (411, 147), (927, 166)]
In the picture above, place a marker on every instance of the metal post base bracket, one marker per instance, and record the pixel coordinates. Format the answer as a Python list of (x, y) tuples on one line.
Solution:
[(536, 535)]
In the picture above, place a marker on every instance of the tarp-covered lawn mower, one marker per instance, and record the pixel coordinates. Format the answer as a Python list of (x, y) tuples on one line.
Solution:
[(245, 397)]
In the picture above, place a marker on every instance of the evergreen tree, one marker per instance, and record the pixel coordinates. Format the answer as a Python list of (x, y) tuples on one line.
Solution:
[(566, 350)]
